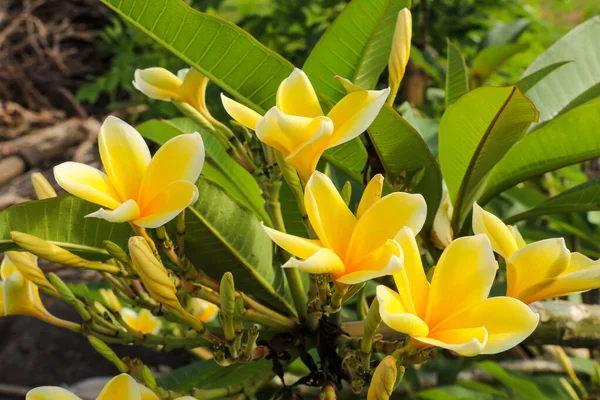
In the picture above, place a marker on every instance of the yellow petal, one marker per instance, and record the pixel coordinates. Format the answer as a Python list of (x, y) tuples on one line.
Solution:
[(354, 113), (508, 322), (535, 263), (121, 387), (517, 236), (128, 211), (157, 83), (147, 394), (296, 96), (87, 183), (328, 213), (305, 158), (467, 267), (203, 310), (400, 53), (413, 269), (467, 342), (185, 398), (242, 114), (371, 195), (193, 88), (384, 220), (500, 236), (50, 393), (2, 309), (125, 156), (387, 260), (148, 323), (179, 159), (167, 204), (323, 261), (442, 233), (297, 246), (395, 315)]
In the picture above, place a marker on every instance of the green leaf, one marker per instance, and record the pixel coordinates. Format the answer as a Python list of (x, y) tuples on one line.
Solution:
[(488, 60), (474, 134), (530, 81), (569, 139), (351, 157), (401, 149), (219, 167), (522, 388), (505, 33), (61, 220), (456, 75), (561, 88), (584, 197), (208, 374), (222, 51), (356, 46), (460, 392), (223, 236)]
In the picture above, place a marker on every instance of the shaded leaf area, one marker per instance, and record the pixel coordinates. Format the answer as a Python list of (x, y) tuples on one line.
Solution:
[(457, 82), (529, 81), (223, 236), (491, 58), (61, 220)]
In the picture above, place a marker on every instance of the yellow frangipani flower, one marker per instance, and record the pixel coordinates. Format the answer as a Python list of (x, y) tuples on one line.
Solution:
[(352, 248), (442, 233), (297, 127), (454, 311), (539, 270), (148, 191), (121, 387), (143, 321), (400, 53), (204, 310), (188, 86)]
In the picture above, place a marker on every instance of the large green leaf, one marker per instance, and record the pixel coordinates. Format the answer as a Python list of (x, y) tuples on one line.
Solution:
[(529, 81), (475, 133), (522, 388), (219, 167), (488, 60), (225, 53), (223, 236), (351, 157), (208, 374), (61, 220), (569, 139), (356, 46), (573, 80), (505, 33), (584, 197), (457, 82), (401, 149)]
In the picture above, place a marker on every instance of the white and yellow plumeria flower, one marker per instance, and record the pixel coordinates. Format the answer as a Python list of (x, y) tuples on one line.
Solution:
[(297, 127), (148, 191), (539, 270), (121, 387), (142, 321), (454, 311), (352, 248), (188, 86), (204, 310)]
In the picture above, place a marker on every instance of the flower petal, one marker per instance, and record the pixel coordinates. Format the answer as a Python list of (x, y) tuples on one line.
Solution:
[(467, 267), (193, 89), (147, 394), (354, 113), (50, 393), (179, 159), (395, 314), (167, 204), (501, 237), (413, 269), (371, 195), (296, 96), (128, 211), (305, 158), (157, 83), (535, 263), (508, 322), (467, 342), (387, 260), (328, 213), (442, 233), (242, 114), (125, 156), (384, 220), (295, 245), (87, 183), (323, 261), (121, 387)]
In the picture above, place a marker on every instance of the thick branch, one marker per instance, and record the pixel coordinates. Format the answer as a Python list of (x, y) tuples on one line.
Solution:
[(561, 322)]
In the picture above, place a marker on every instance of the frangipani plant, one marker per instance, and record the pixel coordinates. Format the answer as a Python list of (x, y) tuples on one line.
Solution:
[(269, 231)]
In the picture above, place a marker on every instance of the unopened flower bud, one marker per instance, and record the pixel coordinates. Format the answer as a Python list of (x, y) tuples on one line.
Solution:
[(110, 299), (116, 252), (383, 381), (400, 53), (347, 192), (106, 352), (227, 294), (43, 189), (238, 316), (68, 296), (26, 263)]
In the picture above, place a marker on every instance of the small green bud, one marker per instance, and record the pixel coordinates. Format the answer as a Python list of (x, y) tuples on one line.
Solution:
[(347, 192), (238, 315), (116, 252), (148, 378), (227, 309), (106, 352), (68, 296)]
